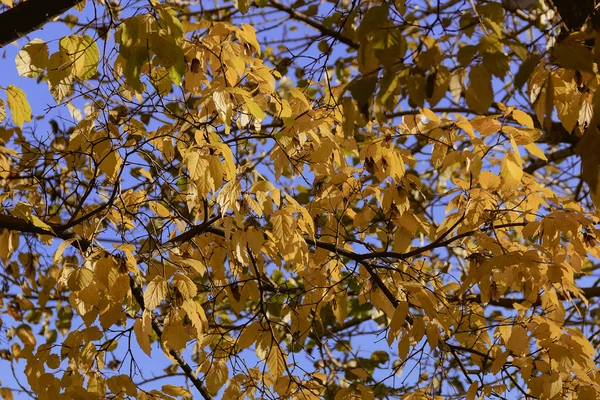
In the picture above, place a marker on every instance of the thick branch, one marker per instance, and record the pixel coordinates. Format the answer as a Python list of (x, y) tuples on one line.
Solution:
[(555, 158), (30, 15), (574, 13)]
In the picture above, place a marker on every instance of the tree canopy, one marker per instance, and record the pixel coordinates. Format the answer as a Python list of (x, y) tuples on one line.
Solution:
[(300, 200)]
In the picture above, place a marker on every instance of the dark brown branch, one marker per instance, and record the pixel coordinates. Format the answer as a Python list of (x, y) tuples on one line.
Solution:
[(574, 13), (555, 157), (30, 15), (12, 223)]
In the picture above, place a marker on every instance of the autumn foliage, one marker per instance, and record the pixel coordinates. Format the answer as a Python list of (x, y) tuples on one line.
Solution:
[(339, 200)]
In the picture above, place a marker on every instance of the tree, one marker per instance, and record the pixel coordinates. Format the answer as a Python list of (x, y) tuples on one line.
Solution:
[(381, 199)]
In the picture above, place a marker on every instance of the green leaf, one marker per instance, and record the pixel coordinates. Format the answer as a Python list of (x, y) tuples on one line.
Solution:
[(84, 55), (480, 94), (168, 17), (242, 5), (255, 110), (133, 67), (18, 105)]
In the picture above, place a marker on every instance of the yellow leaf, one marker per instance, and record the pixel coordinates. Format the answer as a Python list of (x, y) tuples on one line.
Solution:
[(197, 165), (196, 315), (186, 286), (518, 342), (18, 105), (61, 249), (430, 115), (175, 335), (366, 393), (360, 372), (53, 361), (143, 338), (172, 390), (242, 5), (523, 118), (489, 180), (228, 195), (403, 347), (255, 110), (217, 377), (499, 362), (345, 394), (120, 384), (108, 159), (26, 335), (276, 362), (472, 392), (80, 279), (554, 307), (155, 293), (349, 116), (510, 170), (283, 227), (60, 78), (248, 34), (340, 307), (398, 319), (159, 209), (39, 223), (7, 2), (2, 110), (32, 59), (589, 148), (195, 264), (536, 151), (433, 335), (248, 336)]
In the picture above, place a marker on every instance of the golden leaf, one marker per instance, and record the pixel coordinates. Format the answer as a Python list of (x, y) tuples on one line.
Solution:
[(472, 392), (186, 286), (523, 118), (155, 293), (172, 390), (18, 105), (142, 337), (518, 342), (197, 316), (397, 321), (276, 362)]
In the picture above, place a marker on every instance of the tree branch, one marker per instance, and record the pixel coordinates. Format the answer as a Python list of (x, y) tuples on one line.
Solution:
[(21, 225), (137, 292), (314, 24), (555, 157), (30, 15), (574, 13)]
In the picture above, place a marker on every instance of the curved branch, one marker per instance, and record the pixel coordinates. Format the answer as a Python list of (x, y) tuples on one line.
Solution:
[(312, 23), (29, 16)]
